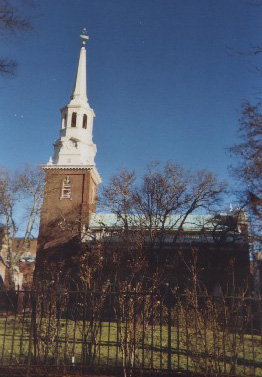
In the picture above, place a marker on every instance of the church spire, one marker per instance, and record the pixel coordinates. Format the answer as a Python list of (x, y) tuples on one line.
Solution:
[(75, 146), (79, 91)]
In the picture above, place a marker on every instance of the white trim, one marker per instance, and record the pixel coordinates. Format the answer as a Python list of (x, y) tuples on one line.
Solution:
[(94, 172), (96, 176)]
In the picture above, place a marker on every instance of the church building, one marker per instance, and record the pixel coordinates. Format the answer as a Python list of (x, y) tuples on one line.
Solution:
[(71, 176), (69, 221)]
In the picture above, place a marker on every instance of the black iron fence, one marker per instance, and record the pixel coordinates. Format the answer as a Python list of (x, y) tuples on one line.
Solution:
[(63, 330)]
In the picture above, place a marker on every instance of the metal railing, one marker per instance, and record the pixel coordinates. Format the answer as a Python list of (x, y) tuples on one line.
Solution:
[(80, 331)]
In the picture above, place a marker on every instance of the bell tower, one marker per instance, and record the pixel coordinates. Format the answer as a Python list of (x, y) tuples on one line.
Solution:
[(75, 146), (71, 177)]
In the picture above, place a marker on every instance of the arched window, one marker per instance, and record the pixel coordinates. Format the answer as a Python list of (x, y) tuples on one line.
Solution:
[(66, 189), (73, 120), (85, 121), (64, 122)]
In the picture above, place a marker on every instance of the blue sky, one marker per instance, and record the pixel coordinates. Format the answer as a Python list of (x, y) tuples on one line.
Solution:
[(160, 80)]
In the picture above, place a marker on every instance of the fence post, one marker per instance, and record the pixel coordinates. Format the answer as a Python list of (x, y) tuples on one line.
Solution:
[(169, 333), (31, 335)]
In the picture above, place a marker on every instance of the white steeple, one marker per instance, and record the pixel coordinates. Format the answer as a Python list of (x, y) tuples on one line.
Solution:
[(79, 92), (75, 145)]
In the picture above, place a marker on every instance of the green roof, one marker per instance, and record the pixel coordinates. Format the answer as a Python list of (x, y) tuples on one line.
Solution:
[(111, 220)]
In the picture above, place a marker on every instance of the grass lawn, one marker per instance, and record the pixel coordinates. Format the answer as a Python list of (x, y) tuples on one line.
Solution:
[(104, 343)]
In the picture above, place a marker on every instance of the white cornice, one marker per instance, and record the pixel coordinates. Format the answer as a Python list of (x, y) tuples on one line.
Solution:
[(94, 172), (96, 176)]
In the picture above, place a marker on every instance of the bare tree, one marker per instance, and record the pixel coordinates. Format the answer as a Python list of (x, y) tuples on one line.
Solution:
[(218, 322), (169, 194), (254, 49), (158, 219), (23, 189), (160, 204), (12, 21), (248, 169), (118, 195)]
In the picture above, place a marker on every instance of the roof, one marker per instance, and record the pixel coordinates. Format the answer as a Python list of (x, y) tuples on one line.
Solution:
[(110, 220)]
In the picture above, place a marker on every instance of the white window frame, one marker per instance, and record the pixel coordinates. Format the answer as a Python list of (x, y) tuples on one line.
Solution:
[(66, 192)]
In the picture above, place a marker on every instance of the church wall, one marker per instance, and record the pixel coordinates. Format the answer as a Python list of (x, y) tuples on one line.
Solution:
[(63, 217)]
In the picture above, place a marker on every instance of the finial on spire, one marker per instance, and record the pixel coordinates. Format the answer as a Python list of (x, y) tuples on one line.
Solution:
[(84, 36)]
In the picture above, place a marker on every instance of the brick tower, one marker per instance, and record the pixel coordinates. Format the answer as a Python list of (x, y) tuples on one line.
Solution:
[(71, 177)]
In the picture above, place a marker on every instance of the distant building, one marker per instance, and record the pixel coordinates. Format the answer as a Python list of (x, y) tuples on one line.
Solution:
[(221, 244)]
